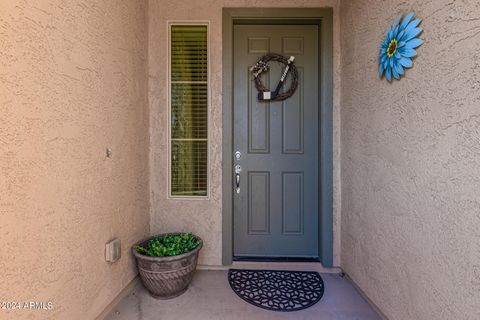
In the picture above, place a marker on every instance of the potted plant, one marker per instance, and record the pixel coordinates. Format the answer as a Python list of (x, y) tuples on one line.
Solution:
[(167, 262)]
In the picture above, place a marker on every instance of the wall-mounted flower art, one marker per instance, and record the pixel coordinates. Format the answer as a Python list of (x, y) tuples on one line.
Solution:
[(398, 48)]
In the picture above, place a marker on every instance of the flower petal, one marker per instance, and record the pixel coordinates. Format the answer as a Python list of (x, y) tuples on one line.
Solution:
[(398, 68), (413, 24), (406, 20), (388, 33), (388, 74), (412, 44), (395, 74), (395, 32), (385, 64), (412, 34), (397, 21), (382, 58), (410, 27), (381, 70), (406, 62), (408, 52)]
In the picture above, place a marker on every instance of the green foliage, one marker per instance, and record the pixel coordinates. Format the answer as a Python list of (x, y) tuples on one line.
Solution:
[(169, 245)]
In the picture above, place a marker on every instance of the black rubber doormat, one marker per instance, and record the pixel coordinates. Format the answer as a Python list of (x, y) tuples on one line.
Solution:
[(277, 290)]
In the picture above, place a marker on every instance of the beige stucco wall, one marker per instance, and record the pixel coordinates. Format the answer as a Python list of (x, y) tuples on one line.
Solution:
[(204, 217), (411, 162), (72, 82)]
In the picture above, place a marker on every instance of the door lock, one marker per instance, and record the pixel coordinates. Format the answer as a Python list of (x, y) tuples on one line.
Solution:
[(238, 155)]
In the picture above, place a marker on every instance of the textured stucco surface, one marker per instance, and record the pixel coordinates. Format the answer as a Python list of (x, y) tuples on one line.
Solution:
[(204, 217), (411, 162), (72, 82)]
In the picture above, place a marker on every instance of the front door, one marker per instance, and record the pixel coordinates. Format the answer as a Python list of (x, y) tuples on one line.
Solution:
[(276, 209)]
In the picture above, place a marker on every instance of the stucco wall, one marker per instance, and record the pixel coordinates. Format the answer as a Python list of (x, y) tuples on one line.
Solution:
[(411, 162), (72, 82), (204, 217)]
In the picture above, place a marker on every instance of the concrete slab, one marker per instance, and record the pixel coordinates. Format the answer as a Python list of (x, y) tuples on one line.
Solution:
[(210, 297)]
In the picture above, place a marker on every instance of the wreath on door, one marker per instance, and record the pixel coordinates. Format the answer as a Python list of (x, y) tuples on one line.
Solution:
[(262, 66)]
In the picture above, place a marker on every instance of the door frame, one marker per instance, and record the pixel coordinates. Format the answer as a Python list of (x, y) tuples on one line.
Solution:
[(324, 19)]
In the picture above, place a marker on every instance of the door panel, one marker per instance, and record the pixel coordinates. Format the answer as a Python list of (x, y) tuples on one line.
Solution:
[(258, 202), (292, 206), (258, 122), (276, 210), (292, 120)]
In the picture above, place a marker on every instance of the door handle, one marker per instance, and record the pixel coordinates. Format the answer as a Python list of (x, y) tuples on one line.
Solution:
[(238, 169)]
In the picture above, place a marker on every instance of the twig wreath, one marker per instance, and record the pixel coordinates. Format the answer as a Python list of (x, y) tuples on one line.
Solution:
[(264, 94)]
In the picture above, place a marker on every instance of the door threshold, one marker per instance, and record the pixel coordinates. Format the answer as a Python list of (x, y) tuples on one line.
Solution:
[(282, 265), (277, 259)]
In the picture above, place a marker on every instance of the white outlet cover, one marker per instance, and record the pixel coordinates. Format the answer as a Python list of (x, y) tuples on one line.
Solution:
[(113, 250)]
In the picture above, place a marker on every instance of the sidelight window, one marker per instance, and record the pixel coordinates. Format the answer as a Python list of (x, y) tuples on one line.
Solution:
[(189, 104)]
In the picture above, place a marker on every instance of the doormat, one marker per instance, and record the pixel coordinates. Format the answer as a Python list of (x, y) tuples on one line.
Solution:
[(277, 290)]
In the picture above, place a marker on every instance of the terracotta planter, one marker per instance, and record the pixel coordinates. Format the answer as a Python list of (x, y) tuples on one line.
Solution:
[(167, 277)]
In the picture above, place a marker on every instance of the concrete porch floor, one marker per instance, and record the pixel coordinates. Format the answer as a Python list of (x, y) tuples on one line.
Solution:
[(210, 297)]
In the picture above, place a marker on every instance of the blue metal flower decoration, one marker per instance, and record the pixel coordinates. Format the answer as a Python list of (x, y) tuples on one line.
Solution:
[(398, 49)]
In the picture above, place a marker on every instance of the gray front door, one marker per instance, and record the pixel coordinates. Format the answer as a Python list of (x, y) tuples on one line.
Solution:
[(276, 210)]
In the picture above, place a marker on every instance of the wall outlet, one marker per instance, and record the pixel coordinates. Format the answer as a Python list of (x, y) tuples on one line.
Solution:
[(113, 250)]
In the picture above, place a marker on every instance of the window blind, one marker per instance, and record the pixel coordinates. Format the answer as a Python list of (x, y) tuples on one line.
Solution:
[(189, 110)]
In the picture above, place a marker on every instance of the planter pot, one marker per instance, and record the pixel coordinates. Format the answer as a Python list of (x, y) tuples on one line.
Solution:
[(167, 277)]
